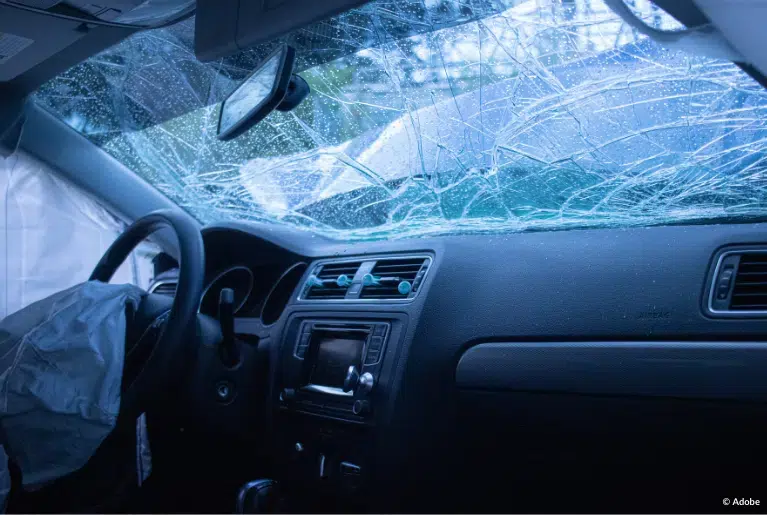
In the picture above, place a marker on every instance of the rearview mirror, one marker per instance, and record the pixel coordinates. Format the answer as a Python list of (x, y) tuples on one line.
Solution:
[(259, 94)]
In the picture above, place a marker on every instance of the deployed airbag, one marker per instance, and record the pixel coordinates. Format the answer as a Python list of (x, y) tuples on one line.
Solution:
[(53, 235), (61, 360)]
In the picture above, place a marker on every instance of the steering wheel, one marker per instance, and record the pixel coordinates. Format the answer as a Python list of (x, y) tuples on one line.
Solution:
[(148, 358), (159, 336)]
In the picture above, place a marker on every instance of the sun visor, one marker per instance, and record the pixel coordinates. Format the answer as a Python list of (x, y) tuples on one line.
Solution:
[(704, 40), (28, 39), (140, 13), (742, 23), (225, 28), (731, 30)]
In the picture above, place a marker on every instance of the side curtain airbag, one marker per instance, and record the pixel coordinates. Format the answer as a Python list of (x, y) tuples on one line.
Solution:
[(52, 234)]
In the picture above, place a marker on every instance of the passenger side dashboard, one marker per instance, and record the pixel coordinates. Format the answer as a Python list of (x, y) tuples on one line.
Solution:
[(574, 361)]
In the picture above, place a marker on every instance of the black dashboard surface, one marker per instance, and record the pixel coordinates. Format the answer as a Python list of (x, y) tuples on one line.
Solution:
[(608, 291)]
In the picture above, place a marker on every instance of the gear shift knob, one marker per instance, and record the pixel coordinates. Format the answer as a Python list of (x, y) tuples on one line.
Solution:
[(259, 496)]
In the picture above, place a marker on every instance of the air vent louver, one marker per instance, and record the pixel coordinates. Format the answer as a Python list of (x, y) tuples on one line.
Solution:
[(164, 288), (325, 284), (395, 278), (750, 289)]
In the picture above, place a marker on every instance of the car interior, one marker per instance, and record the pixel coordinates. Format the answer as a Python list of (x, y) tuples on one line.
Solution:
[(401, 256)]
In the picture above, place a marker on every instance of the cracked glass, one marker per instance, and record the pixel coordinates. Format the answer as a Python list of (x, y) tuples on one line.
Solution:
[(440, 116)]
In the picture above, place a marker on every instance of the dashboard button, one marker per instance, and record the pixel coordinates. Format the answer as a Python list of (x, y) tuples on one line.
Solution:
[(376, 342), (379, 330)]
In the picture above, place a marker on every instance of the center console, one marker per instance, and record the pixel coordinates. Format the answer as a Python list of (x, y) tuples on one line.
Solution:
[(332, 396)]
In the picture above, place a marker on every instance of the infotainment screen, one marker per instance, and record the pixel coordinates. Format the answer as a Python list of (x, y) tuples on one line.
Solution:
[(334, 357)]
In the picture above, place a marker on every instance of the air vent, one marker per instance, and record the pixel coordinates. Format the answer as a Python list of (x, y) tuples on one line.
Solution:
[(749, 292), (331, 281), (395, 278), (166, 288)]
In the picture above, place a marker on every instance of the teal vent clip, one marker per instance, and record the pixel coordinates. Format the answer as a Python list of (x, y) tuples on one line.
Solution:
[(343, 281), (314, 281)]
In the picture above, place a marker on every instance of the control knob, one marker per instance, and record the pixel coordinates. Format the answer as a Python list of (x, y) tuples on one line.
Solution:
[(287, 394), (352, 379), (361, 407), (366, 383)]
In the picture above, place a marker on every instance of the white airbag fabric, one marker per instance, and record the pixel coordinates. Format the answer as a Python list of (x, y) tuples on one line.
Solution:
[(52, 235), (61, 360)]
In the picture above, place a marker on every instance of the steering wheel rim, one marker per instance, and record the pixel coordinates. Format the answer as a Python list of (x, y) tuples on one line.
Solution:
[(182, 316)]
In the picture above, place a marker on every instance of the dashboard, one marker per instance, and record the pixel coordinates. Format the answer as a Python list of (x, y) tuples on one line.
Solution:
[(586, 363)]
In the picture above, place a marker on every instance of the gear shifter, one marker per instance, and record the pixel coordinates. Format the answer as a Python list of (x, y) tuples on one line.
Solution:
[(259, 496), (228, 350)]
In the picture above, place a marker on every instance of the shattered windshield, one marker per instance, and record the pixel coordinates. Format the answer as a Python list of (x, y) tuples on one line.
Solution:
[(440, 116)]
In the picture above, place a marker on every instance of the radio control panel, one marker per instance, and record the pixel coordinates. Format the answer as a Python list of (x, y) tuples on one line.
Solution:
[(334, 366)]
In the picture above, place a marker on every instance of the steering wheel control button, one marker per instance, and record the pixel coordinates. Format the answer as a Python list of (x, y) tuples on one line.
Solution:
[(224, 391), (299, 447)]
